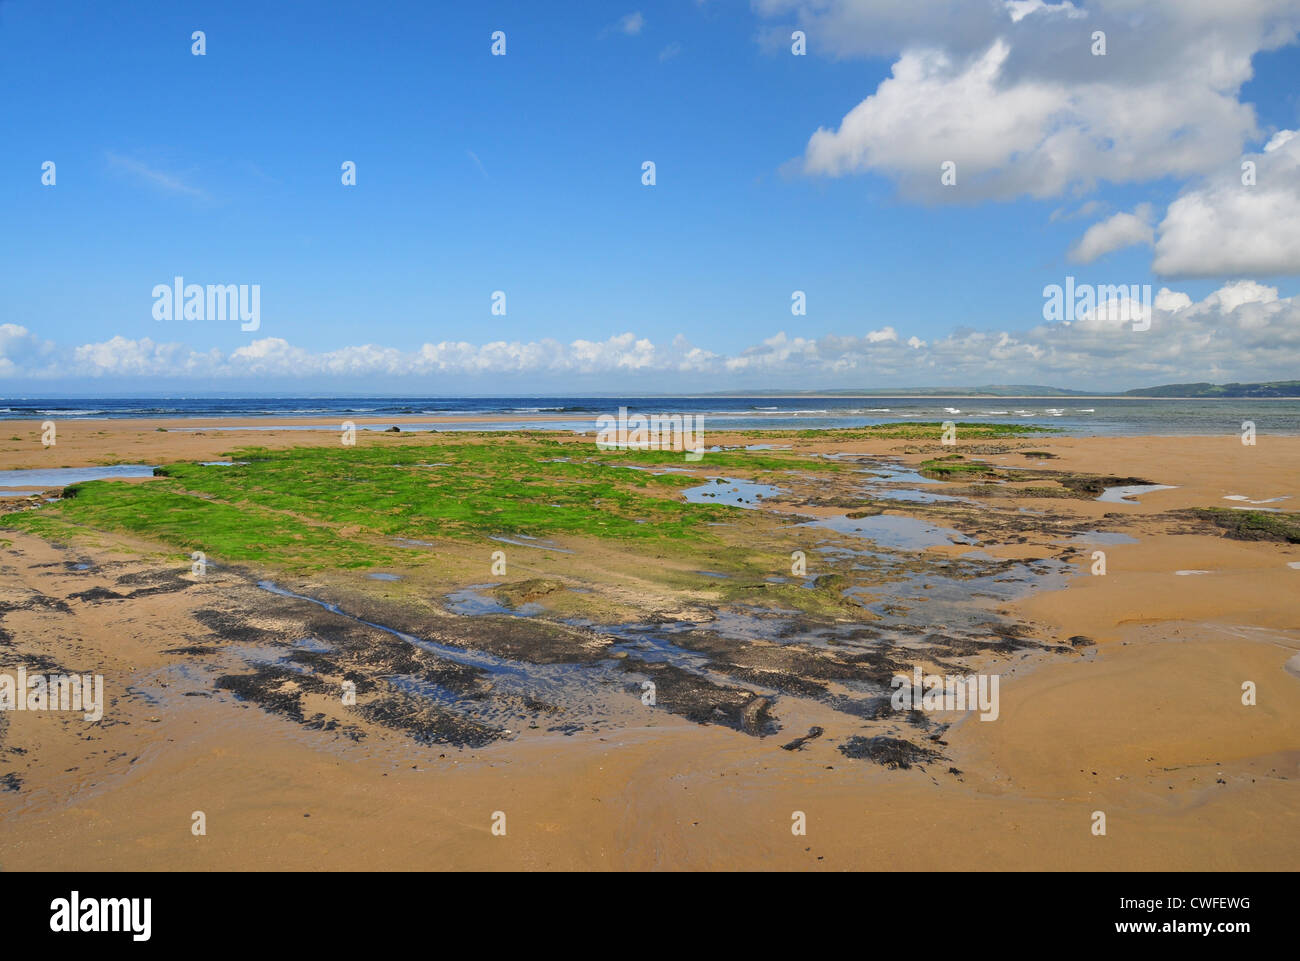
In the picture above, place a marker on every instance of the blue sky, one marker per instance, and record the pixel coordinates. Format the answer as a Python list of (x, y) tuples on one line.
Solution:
[(522, 173)]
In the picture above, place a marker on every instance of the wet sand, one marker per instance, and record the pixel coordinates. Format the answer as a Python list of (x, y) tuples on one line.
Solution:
[(1146, 726)]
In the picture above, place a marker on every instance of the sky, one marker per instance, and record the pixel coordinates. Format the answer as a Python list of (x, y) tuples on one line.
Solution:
[(775, 172)]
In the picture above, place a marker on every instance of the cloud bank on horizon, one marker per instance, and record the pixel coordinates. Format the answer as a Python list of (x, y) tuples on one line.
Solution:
[(1242, 331)]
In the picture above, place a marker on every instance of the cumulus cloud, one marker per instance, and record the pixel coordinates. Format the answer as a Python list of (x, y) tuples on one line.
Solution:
[(1242, 331), (1114, 233), (632, 24), (1278, 139), (21, 351), (1013, 95), (277, 357), (1171, 301), (1019, 9), (1227, 225), (123, 357)]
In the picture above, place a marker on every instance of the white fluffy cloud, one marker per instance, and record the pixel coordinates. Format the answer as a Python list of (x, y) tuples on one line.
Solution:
[(1224, 226), (1114, 233), (1013, 94), (1019, 9), (1243, 331), (22, 351), (1036, 137), (276, 357)]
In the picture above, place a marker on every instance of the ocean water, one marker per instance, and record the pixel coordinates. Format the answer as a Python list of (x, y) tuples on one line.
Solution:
[(1080, 416)]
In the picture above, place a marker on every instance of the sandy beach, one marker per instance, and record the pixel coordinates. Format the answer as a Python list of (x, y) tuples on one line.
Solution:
[(1120, 693)]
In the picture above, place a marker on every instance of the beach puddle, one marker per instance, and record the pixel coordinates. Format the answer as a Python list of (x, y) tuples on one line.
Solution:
[(651, 643), (895, 482), (384, 577), (730, 490), (897, 474), (912, 496), (897, 531), (471, 601), (927, 599), (1127, 493), (46, 478), (1100, 538)]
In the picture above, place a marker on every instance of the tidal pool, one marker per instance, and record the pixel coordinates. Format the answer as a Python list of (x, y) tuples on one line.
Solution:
[(45, 478)]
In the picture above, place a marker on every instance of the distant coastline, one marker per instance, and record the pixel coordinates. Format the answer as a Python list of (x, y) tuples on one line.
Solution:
[(1262, 390)]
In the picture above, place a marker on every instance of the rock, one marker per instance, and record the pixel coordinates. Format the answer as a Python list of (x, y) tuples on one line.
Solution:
[(798, 743)]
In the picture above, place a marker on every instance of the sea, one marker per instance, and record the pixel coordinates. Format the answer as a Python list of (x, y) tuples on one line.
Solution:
[(1071, 415)]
